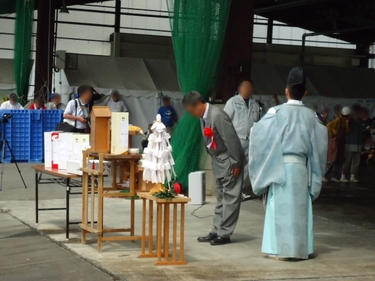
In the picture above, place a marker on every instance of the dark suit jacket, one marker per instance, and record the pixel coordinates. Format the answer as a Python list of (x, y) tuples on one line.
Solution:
[(229, 153)]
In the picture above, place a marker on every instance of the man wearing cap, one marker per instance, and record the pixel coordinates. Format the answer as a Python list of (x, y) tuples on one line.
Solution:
[(288, 153), (337, 131), (115, 104), (12, 103), (55, 102), (168, 114), (244, 112)]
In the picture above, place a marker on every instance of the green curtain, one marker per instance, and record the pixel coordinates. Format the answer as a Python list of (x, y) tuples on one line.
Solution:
[(22, 46), (198, 31)]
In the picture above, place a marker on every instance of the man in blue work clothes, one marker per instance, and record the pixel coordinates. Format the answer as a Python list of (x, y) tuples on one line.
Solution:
[(244, 112), (168, 114)]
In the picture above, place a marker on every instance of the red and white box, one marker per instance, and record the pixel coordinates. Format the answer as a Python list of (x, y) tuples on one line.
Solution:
[(51, 149)]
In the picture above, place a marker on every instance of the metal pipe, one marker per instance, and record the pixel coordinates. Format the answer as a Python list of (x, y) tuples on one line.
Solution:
[(288, 5)]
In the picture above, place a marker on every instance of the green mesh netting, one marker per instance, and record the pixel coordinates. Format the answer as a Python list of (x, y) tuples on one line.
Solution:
[(198, 30), (22, 46)]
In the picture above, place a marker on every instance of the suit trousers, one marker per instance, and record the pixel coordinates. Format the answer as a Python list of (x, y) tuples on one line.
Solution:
[(352, 161), (228, 205)]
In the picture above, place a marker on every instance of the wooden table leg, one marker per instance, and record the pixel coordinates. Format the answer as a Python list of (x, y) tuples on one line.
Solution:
[(150, 226), (143, 252), (166, 232), (159, 230), (84, 206), (100, 204), (182, 234), (174, 251), (149, 236)]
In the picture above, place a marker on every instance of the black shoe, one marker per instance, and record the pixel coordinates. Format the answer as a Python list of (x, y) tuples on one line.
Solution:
[(207, 238), (220, 241)]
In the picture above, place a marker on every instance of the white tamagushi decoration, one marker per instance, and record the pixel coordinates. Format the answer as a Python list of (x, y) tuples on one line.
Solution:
[(159, 162)]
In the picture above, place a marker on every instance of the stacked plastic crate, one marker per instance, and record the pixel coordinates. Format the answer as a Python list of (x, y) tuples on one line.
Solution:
[(17, 133), (24, 133)]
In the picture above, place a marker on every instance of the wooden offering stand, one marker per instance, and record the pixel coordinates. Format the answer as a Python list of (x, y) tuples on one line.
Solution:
[(163, 207), (95, 178)]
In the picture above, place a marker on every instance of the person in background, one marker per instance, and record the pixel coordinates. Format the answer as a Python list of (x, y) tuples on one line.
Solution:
[(77, 112), (38, 104), (144, 142), (353, 144), (337, 109), (115, 104), (243, 112), (168, 114), (366, 122), (12, 103), (368, 150), (315, 108), (55, 102), (325, 115), (337, 131)]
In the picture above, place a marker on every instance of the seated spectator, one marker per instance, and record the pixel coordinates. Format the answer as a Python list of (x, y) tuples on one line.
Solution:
[(147, 135), (38, 104), (55, 102), (337, 130), (12, 103), (77, 113), (115, 104), (368, 150)]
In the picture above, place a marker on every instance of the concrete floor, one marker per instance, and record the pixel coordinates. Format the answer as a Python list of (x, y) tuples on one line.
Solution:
[(344, 237)]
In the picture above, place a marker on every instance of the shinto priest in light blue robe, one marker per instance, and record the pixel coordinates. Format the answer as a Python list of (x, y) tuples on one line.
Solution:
[(288, 153)]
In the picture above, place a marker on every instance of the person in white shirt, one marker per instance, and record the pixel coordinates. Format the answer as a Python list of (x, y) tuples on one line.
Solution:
[(55, 102), (115, 104), (12, 103), (77, 112)]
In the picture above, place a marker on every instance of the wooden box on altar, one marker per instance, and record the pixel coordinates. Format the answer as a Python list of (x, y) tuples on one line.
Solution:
[(101, 129)]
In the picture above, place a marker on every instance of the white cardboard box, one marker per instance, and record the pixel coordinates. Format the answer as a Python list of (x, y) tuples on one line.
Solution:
[(66, 149), (119, 132), (94, 164), (80, 142), (74, 167)]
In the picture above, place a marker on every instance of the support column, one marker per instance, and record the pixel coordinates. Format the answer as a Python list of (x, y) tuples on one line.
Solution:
[(44, 48), (117, 15), (237, 51), (363, 50), (269, 31)]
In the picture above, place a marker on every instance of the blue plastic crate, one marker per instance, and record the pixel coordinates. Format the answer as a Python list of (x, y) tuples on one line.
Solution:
[(50, 119), (17, 133), (36, 136), (25, 133)]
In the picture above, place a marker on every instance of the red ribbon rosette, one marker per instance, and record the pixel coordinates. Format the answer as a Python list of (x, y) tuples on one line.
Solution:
[(209, 133)]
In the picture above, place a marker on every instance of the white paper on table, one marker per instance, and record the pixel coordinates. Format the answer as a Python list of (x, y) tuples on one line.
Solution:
[(124, 133)]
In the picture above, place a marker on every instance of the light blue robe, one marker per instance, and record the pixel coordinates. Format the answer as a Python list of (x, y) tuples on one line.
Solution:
[(288, 152)]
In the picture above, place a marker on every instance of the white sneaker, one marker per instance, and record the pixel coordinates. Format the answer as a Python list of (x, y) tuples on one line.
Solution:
[(353, 179), (325, 179), (335, 180), (343, 179)]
